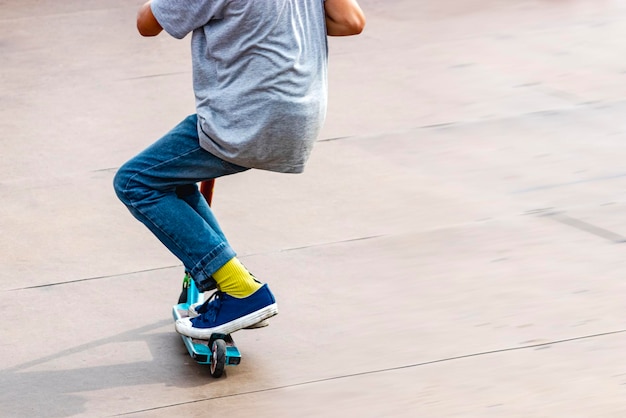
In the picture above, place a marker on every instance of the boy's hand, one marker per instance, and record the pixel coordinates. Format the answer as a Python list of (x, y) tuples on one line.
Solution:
[(343, 17), (147, 25)]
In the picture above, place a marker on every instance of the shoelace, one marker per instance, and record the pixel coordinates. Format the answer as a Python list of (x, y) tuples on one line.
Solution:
[(211, 307)]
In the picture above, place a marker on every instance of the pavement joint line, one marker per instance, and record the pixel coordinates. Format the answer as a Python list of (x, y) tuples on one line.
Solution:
[(323, 244), (583, 104), (337, 138), (414, 129), (105, 170), (569, 183), (87, 279), (434, 126), (143, 77), (586, 227), (542, 212), (62, 14), (378, 371)]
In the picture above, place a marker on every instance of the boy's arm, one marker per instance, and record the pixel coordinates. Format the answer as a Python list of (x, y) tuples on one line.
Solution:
[(147, 25), (343, 17)]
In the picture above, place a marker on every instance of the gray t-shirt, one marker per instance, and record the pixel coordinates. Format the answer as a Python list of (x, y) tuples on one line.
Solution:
[(259, 76)]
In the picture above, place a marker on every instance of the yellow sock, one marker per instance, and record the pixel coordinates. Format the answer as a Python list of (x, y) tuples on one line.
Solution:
[(234, 279)]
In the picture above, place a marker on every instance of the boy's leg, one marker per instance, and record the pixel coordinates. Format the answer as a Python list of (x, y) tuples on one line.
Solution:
[(190, 193), (159, 188), (155, 186)]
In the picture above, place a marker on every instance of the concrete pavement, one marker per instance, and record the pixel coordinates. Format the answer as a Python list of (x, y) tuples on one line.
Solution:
[(454, 249)]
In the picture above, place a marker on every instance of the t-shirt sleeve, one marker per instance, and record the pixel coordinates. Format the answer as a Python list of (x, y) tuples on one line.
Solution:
[(178, 18)]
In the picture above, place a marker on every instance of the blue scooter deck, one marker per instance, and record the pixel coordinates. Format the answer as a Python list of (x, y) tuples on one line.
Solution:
[(200, 350)]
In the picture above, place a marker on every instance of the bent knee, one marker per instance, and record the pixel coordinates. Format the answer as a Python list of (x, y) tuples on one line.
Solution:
[(121, 181)]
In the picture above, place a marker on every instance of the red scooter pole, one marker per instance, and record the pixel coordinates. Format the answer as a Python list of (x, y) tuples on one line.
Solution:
[(206, 188)]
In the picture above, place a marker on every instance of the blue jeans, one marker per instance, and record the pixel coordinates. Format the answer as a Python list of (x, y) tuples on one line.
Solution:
[(159, 187)]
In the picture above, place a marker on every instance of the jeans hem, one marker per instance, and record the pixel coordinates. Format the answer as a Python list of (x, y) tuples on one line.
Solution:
[(203, 271)]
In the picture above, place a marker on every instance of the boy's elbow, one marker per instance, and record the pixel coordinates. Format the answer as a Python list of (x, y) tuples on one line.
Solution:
[(353, 25), (145, 30), (347, 26), (147, 25), (357, 25), (358, 28), (343, 17)]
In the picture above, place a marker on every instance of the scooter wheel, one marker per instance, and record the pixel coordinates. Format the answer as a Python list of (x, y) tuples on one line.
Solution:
[(218, 357)]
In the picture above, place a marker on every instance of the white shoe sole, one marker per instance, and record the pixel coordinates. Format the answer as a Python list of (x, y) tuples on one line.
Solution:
[(260, 324), (184, 325), (192, 313)]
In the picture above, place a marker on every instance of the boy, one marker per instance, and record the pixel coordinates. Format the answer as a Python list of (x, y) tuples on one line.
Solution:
[(259, 78)]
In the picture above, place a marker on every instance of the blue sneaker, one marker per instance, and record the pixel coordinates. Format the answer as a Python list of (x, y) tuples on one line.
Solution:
[(224, 314), (199, 308)]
